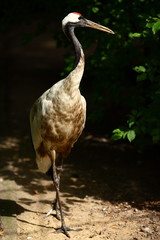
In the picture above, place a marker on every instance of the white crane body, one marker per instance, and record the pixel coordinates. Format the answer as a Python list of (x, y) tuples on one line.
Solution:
[(58, 118)]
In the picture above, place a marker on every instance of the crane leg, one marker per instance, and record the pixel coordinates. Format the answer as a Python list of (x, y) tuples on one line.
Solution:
[(64, 229), (56, 204), (56, 179)]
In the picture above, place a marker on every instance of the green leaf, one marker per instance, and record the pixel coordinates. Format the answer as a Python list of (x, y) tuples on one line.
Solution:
[(130, 124), (156, 27), (131, 135), (117, 131), (95, 9), (140, 69), (134, 35), (149, 24), (117, 134), (125, 135)]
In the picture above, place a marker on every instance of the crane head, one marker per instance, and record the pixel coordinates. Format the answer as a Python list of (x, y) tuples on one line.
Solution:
[(75, 20)]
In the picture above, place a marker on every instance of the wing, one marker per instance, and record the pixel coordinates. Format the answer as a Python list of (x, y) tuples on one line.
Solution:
[(42, 158), (57, 121)]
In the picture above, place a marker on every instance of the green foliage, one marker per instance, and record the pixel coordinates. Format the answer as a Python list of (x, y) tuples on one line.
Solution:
[(154, 23), (119, 134), (140, 69)]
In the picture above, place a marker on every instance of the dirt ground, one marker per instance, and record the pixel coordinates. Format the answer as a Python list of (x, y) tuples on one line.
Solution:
[(110, 190), (108, 195)]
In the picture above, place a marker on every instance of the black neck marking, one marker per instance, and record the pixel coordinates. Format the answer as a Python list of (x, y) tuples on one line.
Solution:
[(69, 31)]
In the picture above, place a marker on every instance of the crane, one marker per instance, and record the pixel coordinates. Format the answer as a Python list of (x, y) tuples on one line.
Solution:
[(58, 116)]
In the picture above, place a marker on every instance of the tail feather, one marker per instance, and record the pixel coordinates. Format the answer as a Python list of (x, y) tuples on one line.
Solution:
[(43, 163)]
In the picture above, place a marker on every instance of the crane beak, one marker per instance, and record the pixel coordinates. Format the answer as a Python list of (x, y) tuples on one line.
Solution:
[(97, 26)]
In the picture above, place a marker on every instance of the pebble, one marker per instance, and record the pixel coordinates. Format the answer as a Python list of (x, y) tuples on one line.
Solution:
[(135, 210), (146, 229)]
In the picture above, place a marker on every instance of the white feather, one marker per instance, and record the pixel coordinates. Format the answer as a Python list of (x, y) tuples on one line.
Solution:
[(71, 17)]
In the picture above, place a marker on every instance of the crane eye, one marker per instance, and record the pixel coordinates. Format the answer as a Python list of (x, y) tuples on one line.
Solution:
[(81, 17)]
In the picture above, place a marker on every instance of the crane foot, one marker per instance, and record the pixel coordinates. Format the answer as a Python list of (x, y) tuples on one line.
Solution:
[(64, 229)]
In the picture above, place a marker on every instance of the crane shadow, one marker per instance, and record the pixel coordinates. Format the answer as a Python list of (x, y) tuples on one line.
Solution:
[(11, 208)]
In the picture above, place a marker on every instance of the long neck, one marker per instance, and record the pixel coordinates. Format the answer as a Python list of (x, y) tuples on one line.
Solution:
[(69, 31), (74, 78)]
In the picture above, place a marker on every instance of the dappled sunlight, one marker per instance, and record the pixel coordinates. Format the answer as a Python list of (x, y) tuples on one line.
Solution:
[(9, 143), (96, 168)]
